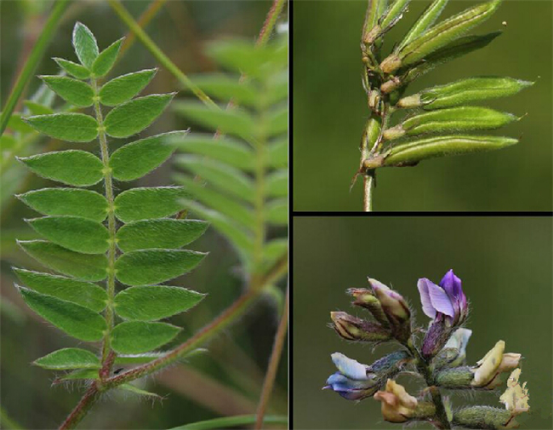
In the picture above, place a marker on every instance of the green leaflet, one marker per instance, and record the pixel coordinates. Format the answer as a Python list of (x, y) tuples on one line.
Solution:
[(278, 88), (136, 115), (446, 120), (278, 121), (78, 375), (219, 175), (135, 337), (277, 212), (239, 238), (153, 266), (89, 295), (428, 17), (75, 320), (275, 249), (37, 108), (67, 201), (125, 87), (277, 153), (105, 61), (75, 92), (16, 123), (69, 358), (154, 303), (74, 69), (136, 159), (137, 358), (159, 233), (74, 233), (228, 206), (72, 127), (235, 121), (81, 266), (417, 150), (464, 91), (226, 88), (85, 45), (223, 149), (146, 203), (72, 167), (135, 390), (277, 184)]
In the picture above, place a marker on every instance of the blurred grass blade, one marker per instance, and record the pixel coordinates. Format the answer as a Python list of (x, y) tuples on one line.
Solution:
[(226, 422), (34, 57)]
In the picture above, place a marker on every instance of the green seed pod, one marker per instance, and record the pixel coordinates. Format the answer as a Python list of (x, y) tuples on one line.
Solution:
[(466, 118), (428, 17), (394, 13), (465, 91), (374, 11), (439, 36), (484, 417), (442, 146)]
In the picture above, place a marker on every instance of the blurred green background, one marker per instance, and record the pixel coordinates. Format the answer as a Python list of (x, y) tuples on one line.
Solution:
[(330, 110), (505, 264), (226, 380)]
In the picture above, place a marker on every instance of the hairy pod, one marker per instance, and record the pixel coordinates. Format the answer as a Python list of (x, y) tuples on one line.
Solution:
[(464, 91), (484, 417), (466, 118), (439, 36), (442, 146)]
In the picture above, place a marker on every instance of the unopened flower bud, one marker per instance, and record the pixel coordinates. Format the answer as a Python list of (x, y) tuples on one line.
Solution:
[(398, 406), (453, 353), (394, 305), (483, 417), (352, 328), (353, 381), (365, 298)]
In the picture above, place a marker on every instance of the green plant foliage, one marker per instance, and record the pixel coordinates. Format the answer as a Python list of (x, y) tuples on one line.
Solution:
[(138, 391), (419, 134), (245, 170), (154, 303), (85, 234), (135, 337), (69, 358)]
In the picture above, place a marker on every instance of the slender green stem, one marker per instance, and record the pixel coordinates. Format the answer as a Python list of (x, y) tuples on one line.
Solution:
[(226, 422), (142, 22), (368, 192), (273, 365), (30, 65), (87, 401), (270, 21), (141, 35), (108, 186)]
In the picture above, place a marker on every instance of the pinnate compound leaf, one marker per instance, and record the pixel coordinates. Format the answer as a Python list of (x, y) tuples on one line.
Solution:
[(37, 108), (85, 45), (139, 391), (234, 121), (75, 320), (105, 61), (135, 337), (155, 302), (277, 212), (417, 150), (153, 266), (72, 167), (239, 238), (89, 295), (136, 115), (71, 127), (125, 87), (219, 175), (226, 88), (74, 233), (228, 206), (136, 159), (159, 233), (81, 266), (69, 358), (277, 183), (75, 92), (146, 203), (74, 69), (67, 201), (223, 149)]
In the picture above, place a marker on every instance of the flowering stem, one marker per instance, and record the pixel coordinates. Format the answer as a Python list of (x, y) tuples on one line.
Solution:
[(424, 369)]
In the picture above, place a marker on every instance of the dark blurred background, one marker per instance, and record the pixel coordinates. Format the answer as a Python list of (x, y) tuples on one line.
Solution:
[(226, 380), (505, 265), (330, 110)]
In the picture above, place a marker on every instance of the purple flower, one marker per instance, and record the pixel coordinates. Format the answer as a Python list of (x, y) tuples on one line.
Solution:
[(446, 301), (353, 381)]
